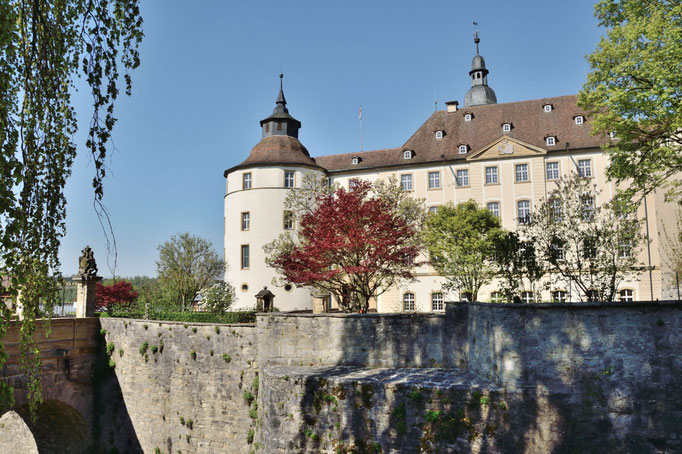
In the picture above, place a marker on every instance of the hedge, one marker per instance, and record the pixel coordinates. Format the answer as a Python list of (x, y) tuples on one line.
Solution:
[(177, 316)]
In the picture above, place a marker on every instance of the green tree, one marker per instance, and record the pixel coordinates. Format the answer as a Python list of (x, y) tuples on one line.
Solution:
[(461, 241), (516, 265), (44, 47), (186, 264), (635, 91), (218, 297), (594, 246)]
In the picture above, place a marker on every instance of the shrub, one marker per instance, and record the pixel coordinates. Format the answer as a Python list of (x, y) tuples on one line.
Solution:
[(193, 354), (144, 347), (227, 357)]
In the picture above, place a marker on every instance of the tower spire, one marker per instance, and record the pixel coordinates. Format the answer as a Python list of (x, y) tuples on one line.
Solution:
[(280, 123), (479, 93)]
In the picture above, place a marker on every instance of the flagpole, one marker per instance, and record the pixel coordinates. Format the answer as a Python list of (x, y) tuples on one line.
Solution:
[(361, 145)]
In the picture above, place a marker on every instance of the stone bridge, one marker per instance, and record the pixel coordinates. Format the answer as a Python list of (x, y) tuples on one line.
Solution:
[(69, 349)]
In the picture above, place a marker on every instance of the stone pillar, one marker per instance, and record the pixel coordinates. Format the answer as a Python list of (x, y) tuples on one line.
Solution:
[(85, 280), (320, 301), (85, 295)]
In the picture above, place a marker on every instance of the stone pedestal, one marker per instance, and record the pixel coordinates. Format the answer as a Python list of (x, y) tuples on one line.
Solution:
[(85, 295), (320, 302)]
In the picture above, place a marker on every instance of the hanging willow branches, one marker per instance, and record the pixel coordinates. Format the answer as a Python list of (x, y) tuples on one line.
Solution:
[(45, 46)]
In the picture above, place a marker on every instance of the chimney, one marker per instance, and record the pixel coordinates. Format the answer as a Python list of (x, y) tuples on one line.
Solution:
[(452, 106)]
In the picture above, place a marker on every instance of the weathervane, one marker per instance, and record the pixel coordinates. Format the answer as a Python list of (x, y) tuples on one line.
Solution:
[(476, 38)]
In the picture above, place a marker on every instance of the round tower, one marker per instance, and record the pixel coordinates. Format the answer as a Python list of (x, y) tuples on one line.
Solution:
[(254, 209), (479, 93)]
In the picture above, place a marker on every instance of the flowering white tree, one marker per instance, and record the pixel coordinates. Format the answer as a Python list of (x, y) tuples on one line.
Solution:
[(590, 245)]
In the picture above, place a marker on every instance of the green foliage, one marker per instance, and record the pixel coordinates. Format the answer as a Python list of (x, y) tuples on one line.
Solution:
[(461, 241), (103, 332), (144, 347), (635, 90), (248, 397), (120, 352), (517, 266), (249, 436), (182, 420), (157, 450), (227, 357), (190, 424), (192, 317), (110, 348), (312, 435), (193, 354), (217, 329), (210, 352), (432, 416), (416, 397), (46, 47), (154, 349), (399, 419), (186, 264), (112, 363), (218, 298)]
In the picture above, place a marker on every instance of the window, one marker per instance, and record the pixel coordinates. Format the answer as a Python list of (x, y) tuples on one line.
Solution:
[(547, 107), (463, 149), (439, 134), (491, 175), (550, 141), (279, 125), (592, 295), (245, 256), (356, 160), (559, 296), (407, 154), (246, 181), (467, 117), (555, 210), (352, 183), (288, 179), (584, 167), (406, 182), (579, 119), (523, 211), (589, 248), (556, 250), (463, 177), (246, 221), (433, 209), (625, 249), (552, 170), (267, 127), (288, 220), (627, 295), (506, 127), (437, 301), (587, 208), (494, 208), (408, 301), (496, 297), (527, 297), (521, 172), (434, 180)]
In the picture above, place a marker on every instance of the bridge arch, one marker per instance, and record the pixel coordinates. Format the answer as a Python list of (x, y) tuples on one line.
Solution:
[(58, 428)]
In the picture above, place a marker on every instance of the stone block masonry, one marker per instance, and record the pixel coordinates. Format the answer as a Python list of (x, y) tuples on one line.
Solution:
[(182, 387), (480, 378)]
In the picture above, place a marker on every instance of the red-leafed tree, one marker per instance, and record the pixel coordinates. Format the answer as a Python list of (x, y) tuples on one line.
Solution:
[(119, 294), (353, 245)]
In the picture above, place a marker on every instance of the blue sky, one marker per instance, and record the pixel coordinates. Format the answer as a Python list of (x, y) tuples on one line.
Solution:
[(209, 74)]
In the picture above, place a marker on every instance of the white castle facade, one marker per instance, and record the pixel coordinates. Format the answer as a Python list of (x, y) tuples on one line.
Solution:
[(507, 157)]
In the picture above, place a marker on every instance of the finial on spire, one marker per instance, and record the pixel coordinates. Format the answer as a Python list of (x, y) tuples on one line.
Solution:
[(476, 38), (281, 76)]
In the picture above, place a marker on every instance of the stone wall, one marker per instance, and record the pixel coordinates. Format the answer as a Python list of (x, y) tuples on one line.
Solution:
[(179, 387), (367, 340), (481, 378)]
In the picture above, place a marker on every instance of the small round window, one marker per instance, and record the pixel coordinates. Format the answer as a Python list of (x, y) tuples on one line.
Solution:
[(245, 287), (288, 287)]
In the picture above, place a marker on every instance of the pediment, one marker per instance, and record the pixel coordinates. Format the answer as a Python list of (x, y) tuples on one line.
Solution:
[(505, 147)]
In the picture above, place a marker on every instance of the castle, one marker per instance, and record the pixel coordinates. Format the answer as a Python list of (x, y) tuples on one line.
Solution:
[(507, 157)]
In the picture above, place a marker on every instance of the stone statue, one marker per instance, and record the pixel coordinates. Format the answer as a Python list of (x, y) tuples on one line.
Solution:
[(86, 263)]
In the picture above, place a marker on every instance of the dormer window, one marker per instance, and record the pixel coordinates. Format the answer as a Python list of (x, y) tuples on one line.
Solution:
[(356, 160), (463, 148), (548, 107), (579, 119), (439, 134), (468, 116), (407, 154), (506, 127), (550, 141)]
